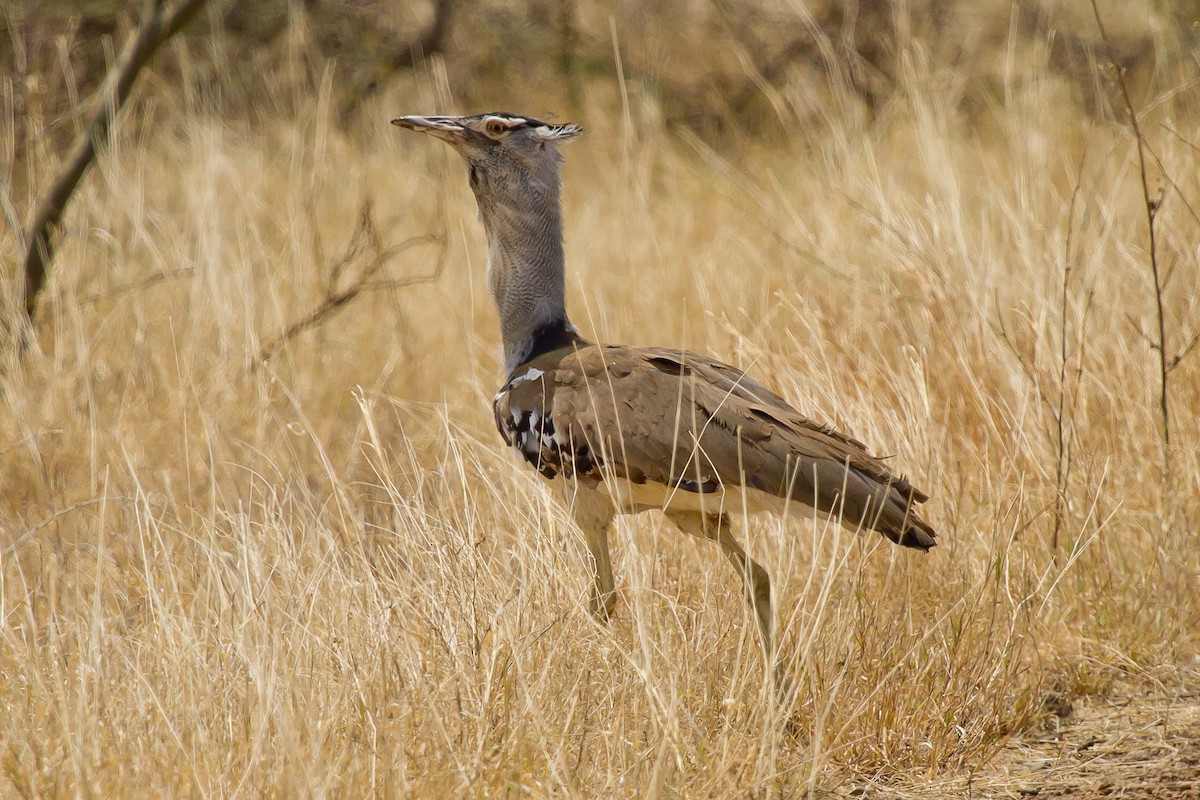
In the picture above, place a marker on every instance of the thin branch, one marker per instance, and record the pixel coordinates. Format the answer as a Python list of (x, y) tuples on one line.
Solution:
[(1171, 182), (1081, 345), (160, 26), (1145, 337), (1062, 461), (1152, 207), (29, 533), (1182, 354), (365, 243), (137, 286)]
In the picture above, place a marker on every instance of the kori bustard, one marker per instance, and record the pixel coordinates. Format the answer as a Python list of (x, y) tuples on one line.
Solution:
[(625, 429)]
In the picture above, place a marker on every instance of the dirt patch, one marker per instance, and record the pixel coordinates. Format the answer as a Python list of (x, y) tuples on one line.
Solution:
[(1135, 746), (1137, 743)]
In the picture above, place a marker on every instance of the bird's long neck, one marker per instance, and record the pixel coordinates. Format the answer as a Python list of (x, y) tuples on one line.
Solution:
[(526, 274)]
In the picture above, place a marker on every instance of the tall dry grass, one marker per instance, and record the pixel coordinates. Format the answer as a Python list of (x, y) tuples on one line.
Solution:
[(322, 577)]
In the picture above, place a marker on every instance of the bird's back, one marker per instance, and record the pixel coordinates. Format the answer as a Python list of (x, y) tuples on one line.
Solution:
[(662, 428)]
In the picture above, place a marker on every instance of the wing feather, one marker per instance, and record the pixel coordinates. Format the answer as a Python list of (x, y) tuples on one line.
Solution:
[(691, 422)]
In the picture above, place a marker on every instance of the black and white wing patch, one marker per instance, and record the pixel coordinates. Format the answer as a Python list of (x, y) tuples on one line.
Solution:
[(525, 419)]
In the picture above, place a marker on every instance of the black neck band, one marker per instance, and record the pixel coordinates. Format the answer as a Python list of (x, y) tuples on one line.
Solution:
[(552, 336)]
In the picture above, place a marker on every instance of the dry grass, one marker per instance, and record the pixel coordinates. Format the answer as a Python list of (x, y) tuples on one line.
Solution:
[(322, 577)]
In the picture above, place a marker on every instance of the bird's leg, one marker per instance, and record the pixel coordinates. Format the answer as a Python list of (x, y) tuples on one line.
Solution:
[(604, 594), (593, 513), (757, 584), (755, 581)]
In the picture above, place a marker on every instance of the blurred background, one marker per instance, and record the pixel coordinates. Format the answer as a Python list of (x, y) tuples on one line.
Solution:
[(709, 66)]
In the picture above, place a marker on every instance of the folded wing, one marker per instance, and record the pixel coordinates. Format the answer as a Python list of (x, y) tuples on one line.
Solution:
[(693, 424)]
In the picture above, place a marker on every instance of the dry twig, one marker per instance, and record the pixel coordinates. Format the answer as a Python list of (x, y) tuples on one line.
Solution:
[(1064, 430), (365, 247), (1152, 204)]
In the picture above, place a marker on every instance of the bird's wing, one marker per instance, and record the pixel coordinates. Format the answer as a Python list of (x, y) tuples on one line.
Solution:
[(689, 423)]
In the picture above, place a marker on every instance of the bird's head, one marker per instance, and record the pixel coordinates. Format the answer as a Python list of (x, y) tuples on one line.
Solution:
[(509, 157)]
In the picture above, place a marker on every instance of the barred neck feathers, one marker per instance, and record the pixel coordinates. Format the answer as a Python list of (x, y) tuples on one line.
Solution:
[(526, 271)]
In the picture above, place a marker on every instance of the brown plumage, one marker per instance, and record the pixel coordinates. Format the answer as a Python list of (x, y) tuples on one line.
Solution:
[(670, 425)]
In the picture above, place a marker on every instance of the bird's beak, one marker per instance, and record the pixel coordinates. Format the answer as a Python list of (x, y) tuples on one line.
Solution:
[(448, 129)]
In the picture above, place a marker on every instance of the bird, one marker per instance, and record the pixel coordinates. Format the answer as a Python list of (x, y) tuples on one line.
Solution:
[(620, 429)]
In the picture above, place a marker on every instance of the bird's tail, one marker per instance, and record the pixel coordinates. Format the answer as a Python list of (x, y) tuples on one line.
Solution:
[(899, 522)]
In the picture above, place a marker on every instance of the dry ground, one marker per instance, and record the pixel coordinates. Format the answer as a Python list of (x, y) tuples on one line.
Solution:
[(1138, 741), (319, 576)]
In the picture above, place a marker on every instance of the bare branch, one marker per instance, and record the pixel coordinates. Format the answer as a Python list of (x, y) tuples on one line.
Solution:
[(1152, 206), (137, 286), (1062, 462), (161, 25), (365, 244), (1171, 181)]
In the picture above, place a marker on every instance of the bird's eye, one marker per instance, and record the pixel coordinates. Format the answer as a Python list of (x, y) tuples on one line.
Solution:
[(496, 127)]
